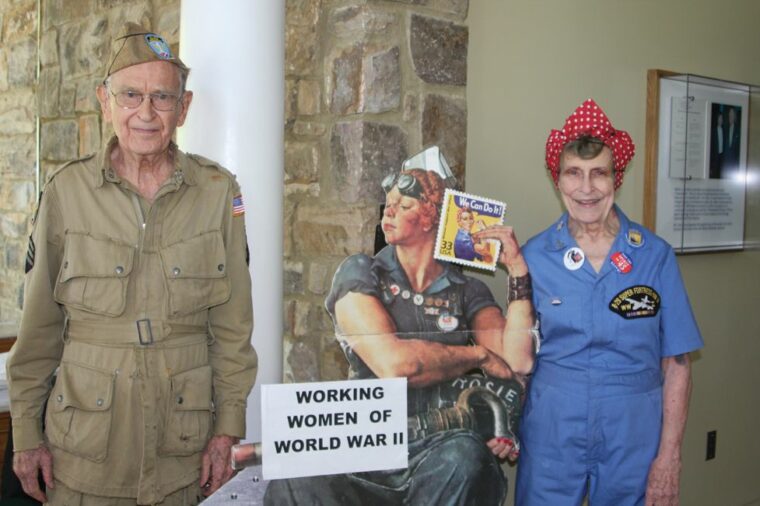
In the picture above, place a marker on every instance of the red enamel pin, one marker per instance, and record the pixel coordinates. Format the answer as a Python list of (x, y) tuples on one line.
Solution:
[(621, 262)]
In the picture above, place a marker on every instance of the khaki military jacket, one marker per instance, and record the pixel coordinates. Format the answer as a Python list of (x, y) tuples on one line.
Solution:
[(145, 312)]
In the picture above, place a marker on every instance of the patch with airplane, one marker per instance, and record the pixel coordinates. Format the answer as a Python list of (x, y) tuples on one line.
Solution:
[(638, 301)]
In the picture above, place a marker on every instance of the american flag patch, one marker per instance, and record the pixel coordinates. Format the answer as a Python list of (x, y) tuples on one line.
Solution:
[(238, 209)]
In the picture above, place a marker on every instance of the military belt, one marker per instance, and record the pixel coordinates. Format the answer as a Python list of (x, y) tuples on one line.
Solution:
[(143, 332)]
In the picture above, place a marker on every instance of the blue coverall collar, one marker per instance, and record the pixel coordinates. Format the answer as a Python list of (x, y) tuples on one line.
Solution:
[(559, 240)]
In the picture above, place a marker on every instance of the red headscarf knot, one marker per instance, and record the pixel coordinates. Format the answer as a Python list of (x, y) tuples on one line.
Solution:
[(589, 119)]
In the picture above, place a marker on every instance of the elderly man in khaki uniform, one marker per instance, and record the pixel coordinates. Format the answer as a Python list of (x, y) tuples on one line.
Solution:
[(138, 295)]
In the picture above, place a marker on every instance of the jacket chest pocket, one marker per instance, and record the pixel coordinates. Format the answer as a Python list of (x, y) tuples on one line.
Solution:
[(196, 273), (78, 416), (561, 316), (187, 426), (94, 274)]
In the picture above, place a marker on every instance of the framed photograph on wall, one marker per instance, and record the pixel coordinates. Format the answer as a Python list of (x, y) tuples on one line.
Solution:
[(696, 161)]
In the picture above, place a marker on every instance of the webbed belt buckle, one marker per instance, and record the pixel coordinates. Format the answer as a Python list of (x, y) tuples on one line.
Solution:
[(144, 331)]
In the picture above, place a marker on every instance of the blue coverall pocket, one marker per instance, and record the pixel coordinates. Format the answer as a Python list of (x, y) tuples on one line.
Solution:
[(560, 315)]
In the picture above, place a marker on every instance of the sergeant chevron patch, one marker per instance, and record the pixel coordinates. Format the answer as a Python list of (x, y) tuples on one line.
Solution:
[(29, 256)]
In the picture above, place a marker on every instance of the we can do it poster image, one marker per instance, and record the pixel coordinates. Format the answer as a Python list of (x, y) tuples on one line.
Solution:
[(463, 215)]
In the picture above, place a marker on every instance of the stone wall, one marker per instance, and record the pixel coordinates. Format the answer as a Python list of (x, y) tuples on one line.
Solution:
[(72, 50), (367, 84), (18, 42)]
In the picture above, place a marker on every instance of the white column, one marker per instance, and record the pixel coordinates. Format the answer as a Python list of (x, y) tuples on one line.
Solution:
[(236, 50)]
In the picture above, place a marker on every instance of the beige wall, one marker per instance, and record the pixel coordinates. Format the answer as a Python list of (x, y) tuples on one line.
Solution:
[(530, 64)]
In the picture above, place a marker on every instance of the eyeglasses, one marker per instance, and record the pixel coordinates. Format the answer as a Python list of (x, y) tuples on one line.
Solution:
[(406, 183), (160, 101)]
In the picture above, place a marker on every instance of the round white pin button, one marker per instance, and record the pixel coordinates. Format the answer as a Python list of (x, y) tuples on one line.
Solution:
[(574, 258), (447, 322)]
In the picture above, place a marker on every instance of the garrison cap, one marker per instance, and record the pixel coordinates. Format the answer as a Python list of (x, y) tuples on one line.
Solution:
[(135, 45)]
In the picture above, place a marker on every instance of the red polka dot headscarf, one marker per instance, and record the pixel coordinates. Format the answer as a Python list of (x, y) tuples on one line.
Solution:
[(589, 119)]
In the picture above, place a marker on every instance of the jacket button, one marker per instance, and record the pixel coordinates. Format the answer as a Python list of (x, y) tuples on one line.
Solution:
[(176, 271), (220, 267), (59, 398), (180, 400), (119, 269), (65, 264), (99, 402)]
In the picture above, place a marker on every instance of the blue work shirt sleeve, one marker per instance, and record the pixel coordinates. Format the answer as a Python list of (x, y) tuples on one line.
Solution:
[(353, 275), (477, 296), (678, 327)]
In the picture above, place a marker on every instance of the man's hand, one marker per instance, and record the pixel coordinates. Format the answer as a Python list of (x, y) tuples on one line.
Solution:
[(663, 482), (216, 465), (27, 465)]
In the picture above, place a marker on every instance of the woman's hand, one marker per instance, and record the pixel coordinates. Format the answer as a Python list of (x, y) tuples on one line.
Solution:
[(511, 255), (663, 483), (504, 448)]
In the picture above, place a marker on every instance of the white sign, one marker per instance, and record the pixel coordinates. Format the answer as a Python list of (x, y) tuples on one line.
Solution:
[(688, 141), (311, 429)]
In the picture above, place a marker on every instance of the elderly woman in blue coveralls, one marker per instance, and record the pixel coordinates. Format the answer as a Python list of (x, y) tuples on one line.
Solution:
[(608, 399)]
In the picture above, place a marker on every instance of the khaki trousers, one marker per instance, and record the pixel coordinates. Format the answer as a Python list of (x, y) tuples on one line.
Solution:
[(61, 495)]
